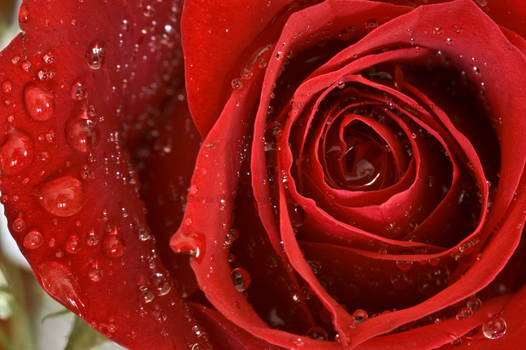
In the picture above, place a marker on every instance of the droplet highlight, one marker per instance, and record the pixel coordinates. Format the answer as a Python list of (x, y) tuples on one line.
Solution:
[(40, 104), (63, 196)]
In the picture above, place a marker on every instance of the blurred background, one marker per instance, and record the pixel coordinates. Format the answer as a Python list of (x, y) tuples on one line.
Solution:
[(29, 318)]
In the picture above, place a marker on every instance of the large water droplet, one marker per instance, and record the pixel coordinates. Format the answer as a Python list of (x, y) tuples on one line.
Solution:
[(63, 196), (33, 240), (16, 153), (189, 243), (494, 328), (95, 56), (241, 279), (59, 282), (39, 103), (82, 134)]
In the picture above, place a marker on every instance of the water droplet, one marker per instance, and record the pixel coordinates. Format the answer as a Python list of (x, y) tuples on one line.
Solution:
[(189, 243), (236, 84), (59, 282), (16, 153), (95, 56), (112, 245), (82, 133), (317, 333), (241, 279), (72, 244), (437, 30), (449, 41), (147, 294), (33, 239), (39, 102), (464, 313), (7, 86), (78, 92), (494, 328), (26, 65), (482, 3), (63, 196), (95, 274), (18, 225), (231, 236), (360, 315), (161, 284), (474, 303), (92, 239)]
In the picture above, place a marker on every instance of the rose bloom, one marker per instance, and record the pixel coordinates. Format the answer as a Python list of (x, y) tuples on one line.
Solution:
[(272, 174)]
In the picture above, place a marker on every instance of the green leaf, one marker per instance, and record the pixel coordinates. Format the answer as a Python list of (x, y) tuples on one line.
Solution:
[(83, 337)]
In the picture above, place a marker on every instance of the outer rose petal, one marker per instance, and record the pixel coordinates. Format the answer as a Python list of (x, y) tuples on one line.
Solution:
[(70, 96), (215, 36)]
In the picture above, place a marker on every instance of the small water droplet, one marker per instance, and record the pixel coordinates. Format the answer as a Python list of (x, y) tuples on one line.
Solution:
[(189, 243), (82, 133), (78, 91), (63, 196), (7, 86), (18, 225), (147, 294), (482, 3), (16, 153), (95, 274), (241, 279), (92, 239), (112, 245), (464, 313), (474, 303), (317, 333), (72, 244), (33, 239), (59, 282), (494, 328), (231, 236), (236, 84), (95, 56), (437, 30), (360, 315), (39, 102)]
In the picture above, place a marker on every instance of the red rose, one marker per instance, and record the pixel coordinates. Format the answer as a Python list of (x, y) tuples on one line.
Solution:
[(358, 181)]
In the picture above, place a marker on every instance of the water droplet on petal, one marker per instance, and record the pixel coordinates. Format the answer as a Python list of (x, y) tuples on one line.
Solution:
[(82, 134), (147, 294), (494, 328), (95, 274), (95, 56), (16, 153), (39, 102), (63, 196), (7, 86), (112, 245), (189, 243), (360, 315), (78, 92), (241, 279), (18, 225), (59, 282), (317, 333), (72, 244), (33, 240)]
